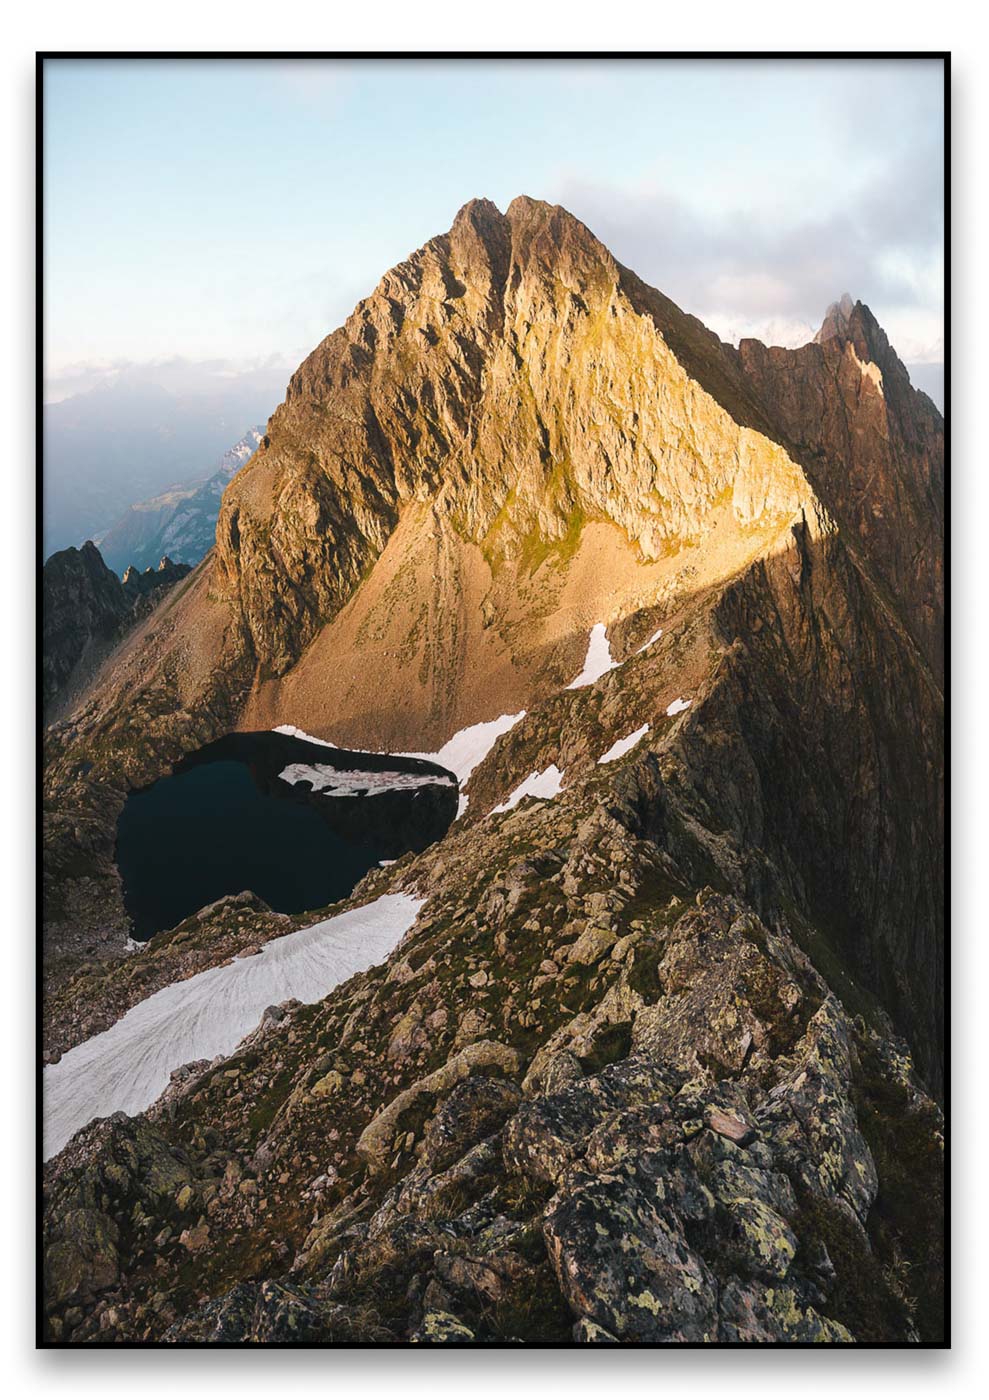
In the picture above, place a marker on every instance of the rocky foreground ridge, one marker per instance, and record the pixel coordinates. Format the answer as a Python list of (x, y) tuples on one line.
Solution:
[(659, 1059)]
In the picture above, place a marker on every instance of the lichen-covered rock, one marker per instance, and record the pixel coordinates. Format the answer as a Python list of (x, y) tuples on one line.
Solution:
[(629, 1133), (474, 1109), (224, 1321), (550, 1130), (83, 1260), (547, 1133), (809, 1119), (642, 1200), (587, 1332), (625, 1265), (442, 1329), (756, 1313), (377, 1143)]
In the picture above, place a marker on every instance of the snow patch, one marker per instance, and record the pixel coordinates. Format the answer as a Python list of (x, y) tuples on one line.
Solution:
[(460, 755), (470, 746), (654, 638), (297, 733), (545, 784), (359, 782), (676, 706), (599, 660), (128, 1066), (623, 746)]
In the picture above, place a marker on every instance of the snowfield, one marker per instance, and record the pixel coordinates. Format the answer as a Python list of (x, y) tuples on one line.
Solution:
[(598, 660), (545, 784), (623, 746), (358, 782), (128, 1066), (460, 755), (676, 706)]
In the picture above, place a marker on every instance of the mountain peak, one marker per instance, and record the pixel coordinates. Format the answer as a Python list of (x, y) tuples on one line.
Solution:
[(852, 323), (476, 210), (530, 226), (525, 211), (837, 320), (524, 204)]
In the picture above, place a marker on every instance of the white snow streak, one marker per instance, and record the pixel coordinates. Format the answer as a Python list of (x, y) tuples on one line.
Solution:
[(297, 733), (598, 660), (545, 784), (357, 782), (128, 1066), (654, 638), (623, 746), (676, 706)]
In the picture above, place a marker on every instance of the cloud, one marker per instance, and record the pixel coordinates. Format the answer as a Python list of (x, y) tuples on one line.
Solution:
[(174, 374), (883, 243), (318, 84)]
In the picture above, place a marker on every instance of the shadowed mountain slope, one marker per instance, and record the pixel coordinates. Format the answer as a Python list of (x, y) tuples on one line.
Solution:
[(86, 609)]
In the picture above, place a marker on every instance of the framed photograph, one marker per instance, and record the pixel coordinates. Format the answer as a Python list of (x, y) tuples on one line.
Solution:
[(491, 674)]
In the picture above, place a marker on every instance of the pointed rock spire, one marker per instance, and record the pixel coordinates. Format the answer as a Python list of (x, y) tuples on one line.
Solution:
[(837, 320)]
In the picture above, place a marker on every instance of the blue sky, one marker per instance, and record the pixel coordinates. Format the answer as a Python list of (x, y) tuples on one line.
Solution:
[(234, 211)]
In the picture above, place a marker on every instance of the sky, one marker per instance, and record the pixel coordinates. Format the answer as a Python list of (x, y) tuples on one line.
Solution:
[(230, 214)]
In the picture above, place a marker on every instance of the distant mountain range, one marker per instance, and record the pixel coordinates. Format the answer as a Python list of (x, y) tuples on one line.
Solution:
[(138, 435), (180, 522)]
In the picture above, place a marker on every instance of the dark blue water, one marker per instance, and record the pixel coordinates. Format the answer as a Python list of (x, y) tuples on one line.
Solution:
[(224, 821)]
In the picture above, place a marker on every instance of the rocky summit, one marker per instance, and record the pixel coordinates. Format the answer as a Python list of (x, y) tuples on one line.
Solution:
[(660, 1057)]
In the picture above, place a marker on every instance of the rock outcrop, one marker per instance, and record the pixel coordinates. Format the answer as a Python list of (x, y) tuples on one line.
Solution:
[(83, 606), (86, 611)]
